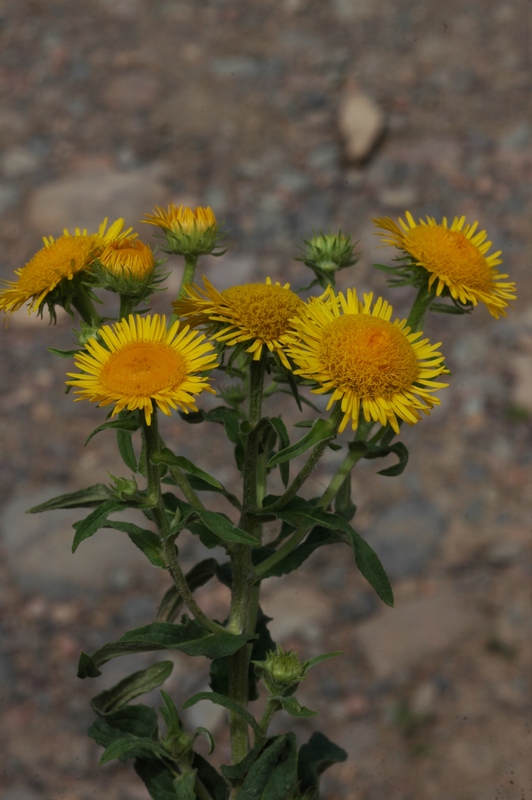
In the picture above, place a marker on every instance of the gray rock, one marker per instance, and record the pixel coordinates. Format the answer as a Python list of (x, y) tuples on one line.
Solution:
[(361, 123), (406, 537), (400, 638), (84, 200), (39, 550)]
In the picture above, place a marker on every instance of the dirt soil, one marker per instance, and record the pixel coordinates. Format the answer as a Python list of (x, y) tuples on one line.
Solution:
[(114, 106)]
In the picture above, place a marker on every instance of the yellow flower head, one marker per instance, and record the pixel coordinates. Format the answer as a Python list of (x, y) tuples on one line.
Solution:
[(128, 258), (187, 231), (367, 362), (256, 312), (139, 362), (456, 258), (59, 260)]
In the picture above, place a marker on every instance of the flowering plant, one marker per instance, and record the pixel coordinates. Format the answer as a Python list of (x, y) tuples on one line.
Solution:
[(243, 344)]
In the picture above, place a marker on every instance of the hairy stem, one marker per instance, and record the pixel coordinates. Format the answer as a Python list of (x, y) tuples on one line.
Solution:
[(421, 304)]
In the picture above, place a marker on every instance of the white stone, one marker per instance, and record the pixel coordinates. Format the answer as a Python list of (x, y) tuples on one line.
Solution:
[(361, 123)]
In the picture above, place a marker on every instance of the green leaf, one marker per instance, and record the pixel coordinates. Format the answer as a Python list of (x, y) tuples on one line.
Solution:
[(130, 424), (317, 755), (318, 537), (145, 540), (222, 527), (133, 686), (170, 715), (82, 498), (184, 786), (190, 638), (273, 776), (129, 746), (63, 353), (157, 777), (226, 702), (383, 450), (318, 659), (125, 448), (86, 667), (320, 431), (212, 780), (165, 456), (87, 527), (284, 442), (202, 486), (196, 577), (137, 720), (370, 566), (295, 709)]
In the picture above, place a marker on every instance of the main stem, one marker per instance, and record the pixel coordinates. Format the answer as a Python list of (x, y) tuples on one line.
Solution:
[(421, 304), (245, 594), (151, 442)]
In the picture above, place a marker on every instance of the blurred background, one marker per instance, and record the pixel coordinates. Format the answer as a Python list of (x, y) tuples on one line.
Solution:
[(286, 116)]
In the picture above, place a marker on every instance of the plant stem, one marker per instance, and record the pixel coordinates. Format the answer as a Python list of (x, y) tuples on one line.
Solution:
[(189, 493), (188, 273), (245, 595), (151, 443), (421, 304), (272, 707), (85, 308), (127, 304)]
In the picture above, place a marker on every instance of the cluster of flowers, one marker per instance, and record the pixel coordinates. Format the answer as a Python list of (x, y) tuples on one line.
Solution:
[(343, 345)]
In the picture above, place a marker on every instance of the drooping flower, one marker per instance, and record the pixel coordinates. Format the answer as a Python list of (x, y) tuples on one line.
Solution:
[(456, 258), (58, 262), (141, 361), (366, 362), (188, 232), (256, 312)]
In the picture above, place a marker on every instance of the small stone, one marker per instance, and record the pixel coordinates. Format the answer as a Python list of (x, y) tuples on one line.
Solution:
[(361, 122), (134, 91), (400, 639), (83, 201), (406, 537)]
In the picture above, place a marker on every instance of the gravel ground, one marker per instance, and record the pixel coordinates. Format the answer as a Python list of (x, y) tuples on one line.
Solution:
[(112, 107)]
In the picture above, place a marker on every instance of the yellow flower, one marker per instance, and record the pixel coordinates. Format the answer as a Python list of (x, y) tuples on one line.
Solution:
[(182, 219), (456, 258), (59, 260), (368, 363), (143, 362), (128, 258), (256, 312), (187, 232)]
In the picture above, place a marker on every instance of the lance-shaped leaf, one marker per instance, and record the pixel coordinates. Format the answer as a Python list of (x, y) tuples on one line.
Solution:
[(294, 708), (317, 755), (371, 451), (321, 431), (137, 720), (284, 442), (145, 540), (129, 746), (87, 527), (273, 776), (184, 786), (318, 537), (190, 638), (90, 497), (128, 423), (125, 448), (226, 702), (165, 456), (157, 777), (300, 512), (223, 528), (133, 686)]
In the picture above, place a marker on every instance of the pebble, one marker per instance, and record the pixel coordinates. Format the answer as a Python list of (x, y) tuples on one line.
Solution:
[(39, 550), (407, 536), (361, 123), (400, 638), (85, 200)]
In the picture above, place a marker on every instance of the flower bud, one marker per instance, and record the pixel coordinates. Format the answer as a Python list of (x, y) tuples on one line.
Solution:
[(328, 253), (281, 670), (187, 232)]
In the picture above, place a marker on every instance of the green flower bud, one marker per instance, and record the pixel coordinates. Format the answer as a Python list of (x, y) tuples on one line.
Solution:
[(281, 671), (328, 253)]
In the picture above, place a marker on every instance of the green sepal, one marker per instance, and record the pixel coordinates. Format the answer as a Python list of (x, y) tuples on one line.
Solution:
[(321, 430), (166, 456), (133, 686), (82, 498), (85, 528), (223, 528), (294, 708), (127, 423), (317, 755), (226, 702), (145, 540), (196, 577), (190, 638)]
